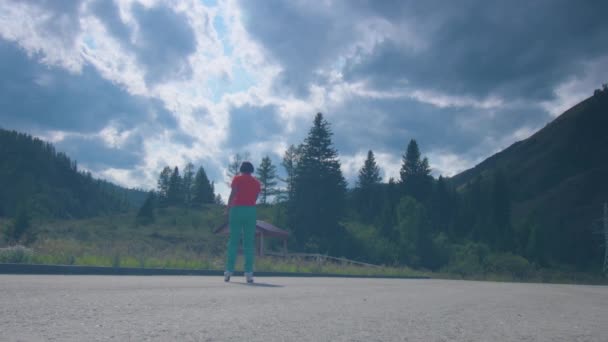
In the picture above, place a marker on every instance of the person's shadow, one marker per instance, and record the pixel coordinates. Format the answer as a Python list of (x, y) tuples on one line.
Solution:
[(256, 284)]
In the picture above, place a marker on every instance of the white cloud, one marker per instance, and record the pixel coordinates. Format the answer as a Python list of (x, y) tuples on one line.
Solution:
[(578, 87), (115, 137), (28, 25), (232, 68), (448, 164)]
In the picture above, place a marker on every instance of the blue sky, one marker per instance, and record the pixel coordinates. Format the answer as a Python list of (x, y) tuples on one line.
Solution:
[(127, 87)]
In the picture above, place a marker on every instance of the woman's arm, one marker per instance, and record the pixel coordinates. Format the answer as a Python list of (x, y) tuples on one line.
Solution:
[(230, 198)]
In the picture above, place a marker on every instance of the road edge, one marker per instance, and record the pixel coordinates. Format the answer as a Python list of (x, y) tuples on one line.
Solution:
[(136, 271)]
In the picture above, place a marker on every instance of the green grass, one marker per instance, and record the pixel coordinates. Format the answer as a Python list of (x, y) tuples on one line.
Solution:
[(179, 238), (297, 265), (184, 239)]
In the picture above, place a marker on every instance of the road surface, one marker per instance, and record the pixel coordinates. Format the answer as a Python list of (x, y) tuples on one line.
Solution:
[(191, 308)]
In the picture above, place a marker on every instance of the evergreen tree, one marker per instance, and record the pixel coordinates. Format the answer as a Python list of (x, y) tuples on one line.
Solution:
[(218, 200), (502, 236), (164, 181), (32, 172), (19, 227), (442, 207), (410, 161), (369, 174), (477, 211), (188, 183), (290, 163), (366, 191), (174, 193), (145, 215), (203, 189), (414, 239), (318, 193), (416, 179), (267, 173), (388, 214)]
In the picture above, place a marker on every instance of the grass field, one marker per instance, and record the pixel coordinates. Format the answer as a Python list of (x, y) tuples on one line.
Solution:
[(183, 238), (179, 238)]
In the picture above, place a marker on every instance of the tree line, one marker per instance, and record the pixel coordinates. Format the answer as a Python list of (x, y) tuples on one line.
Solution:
[(189, 190), (42, 182), (416, 219)]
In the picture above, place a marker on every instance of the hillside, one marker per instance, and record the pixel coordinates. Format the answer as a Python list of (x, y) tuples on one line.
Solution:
[(557, 177), (48, 183)]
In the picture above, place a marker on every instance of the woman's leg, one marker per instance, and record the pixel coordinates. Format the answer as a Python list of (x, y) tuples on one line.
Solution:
[(235, 224), (249, 218)]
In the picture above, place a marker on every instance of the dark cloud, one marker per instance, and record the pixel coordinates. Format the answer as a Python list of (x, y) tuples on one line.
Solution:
[(164, 42), (108, 12), (42, 97), (467, 49), (482, 48), (475, 48), (301, 36), (250, 124), (388, 125)]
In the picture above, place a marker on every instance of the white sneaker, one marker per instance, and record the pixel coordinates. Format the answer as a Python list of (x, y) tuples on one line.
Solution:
[(227, 276), (249, 276)]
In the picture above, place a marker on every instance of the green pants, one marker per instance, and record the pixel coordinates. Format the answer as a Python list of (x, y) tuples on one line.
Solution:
[(242, 223)]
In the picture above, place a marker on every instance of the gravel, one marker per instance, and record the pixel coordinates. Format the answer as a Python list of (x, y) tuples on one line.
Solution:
[(195, 308)]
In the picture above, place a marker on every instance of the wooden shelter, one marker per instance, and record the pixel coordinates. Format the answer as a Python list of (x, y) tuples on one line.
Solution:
[(263, 230)]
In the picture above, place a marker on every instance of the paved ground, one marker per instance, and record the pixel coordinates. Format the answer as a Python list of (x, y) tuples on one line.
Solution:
[(101, 308)]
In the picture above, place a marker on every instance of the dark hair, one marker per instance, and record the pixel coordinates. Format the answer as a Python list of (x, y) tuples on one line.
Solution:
[(246, 167)]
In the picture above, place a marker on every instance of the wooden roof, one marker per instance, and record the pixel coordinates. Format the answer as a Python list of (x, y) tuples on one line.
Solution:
[(260, 227)]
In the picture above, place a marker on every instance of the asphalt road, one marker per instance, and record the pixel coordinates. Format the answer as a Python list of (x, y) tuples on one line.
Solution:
[(183, 308)]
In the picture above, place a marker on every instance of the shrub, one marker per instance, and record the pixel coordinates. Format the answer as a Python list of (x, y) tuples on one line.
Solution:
[(16, 254), (467, 260), (19, 227), (441, 251), (508, 263)]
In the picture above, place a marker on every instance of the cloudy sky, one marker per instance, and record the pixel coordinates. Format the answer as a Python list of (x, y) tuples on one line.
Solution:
[(127, 87)]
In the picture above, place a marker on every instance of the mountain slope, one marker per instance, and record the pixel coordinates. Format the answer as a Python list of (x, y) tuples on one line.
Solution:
[(47, 183), (557, 177)]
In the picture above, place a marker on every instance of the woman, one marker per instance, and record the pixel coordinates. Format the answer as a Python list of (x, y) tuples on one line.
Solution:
[(241, 219)]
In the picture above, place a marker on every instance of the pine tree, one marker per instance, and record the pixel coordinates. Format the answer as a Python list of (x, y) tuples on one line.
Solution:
[(203, 189), (502, 236), (366, 191), (413, 235), (290, 164), (443, 206), (187, 183), (267, 173), (319, 192), (415, 174), (163, 186), (19, 226), (174, 194), (145, 215), (388, 212), (369, 174)]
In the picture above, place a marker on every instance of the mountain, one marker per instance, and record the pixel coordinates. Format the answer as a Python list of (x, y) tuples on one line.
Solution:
[(557, 181), (47, 183)]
